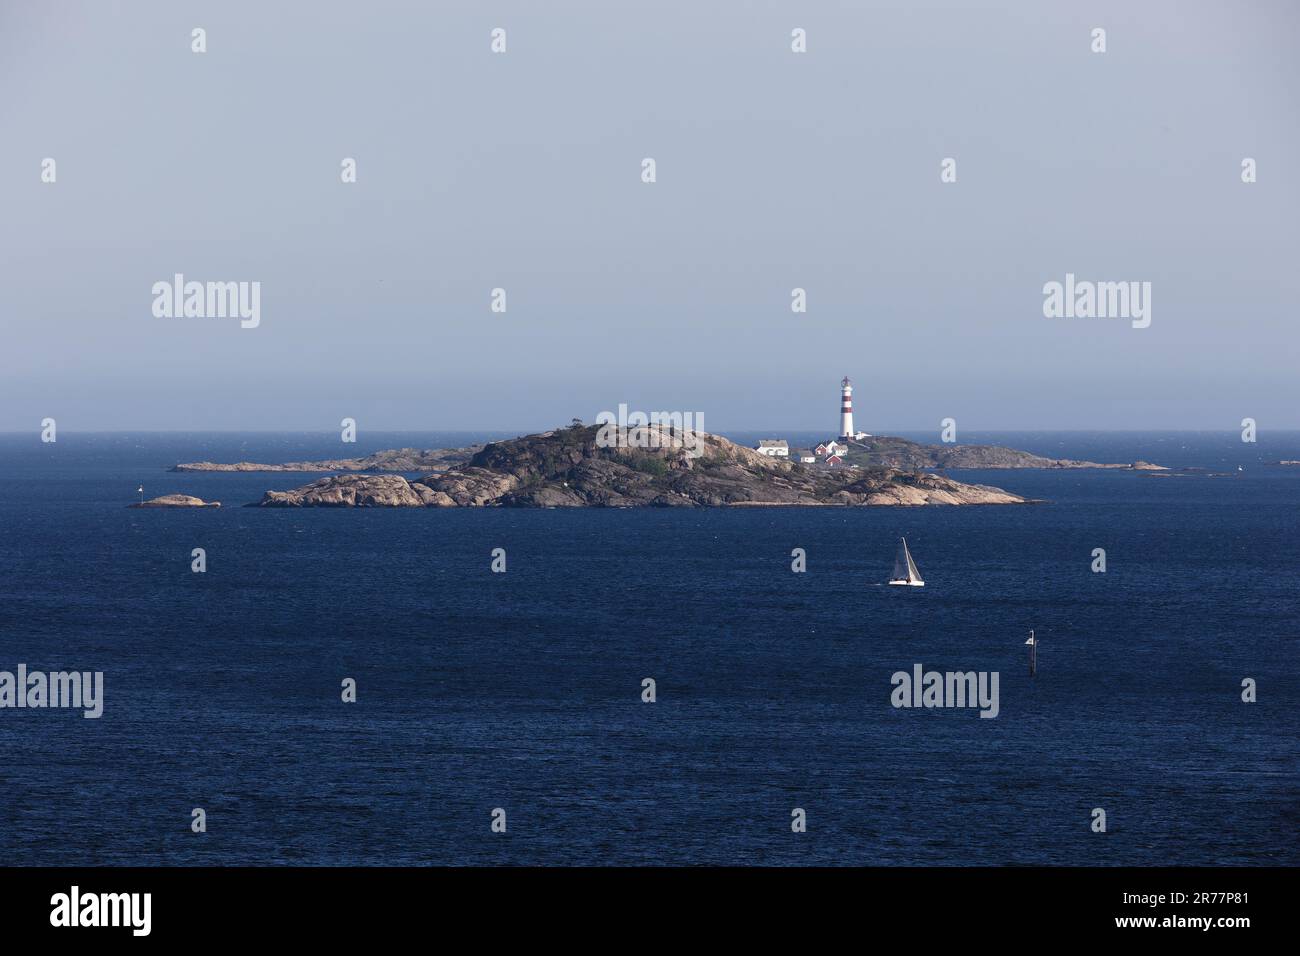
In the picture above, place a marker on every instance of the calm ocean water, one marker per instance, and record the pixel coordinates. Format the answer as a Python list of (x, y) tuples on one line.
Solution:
[(522, 691)]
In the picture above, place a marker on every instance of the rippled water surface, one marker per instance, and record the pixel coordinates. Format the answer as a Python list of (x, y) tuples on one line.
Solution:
[(523, 690)]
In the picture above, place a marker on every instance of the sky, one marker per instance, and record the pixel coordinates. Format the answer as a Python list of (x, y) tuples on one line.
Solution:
[(523, 171)]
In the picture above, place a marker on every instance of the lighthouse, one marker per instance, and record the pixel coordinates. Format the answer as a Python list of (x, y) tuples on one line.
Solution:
[(846, 408)]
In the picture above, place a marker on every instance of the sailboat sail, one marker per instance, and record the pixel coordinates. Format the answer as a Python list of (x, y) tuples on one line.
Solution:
[(912, 573), (905, 571)]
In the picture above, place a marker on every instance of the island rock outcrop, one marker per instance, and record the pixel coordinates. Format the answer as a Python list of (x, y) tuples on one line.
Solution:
[(357, 491)]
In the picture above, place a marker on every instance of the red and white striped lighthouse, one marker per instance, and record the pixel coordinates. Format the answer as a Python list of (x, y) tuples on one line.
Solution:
[(846, 408)]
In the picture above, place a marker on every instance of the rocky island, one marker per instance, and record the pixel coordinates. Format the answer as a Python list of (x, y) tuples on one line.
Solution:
[(654, 466), (873, 452), (176, 501), (395, 459), (886, 452)]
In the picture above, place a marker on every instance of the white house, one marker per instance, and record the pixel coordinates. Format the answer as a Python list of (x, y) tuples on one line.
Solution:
[(831, 448), (773, 448)]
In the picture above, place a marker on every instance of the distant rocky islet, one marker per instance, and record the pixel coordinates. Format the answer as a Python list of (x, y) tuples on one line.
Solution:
[(175, 501)]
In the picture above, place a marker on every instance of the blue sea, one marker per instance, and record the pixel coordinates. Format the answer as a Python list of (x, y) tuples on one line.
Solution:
[(522, 690)]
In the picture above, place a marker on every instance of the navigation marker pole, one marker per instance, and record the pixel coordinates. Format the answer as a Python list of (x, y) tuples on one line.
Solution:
[(141, 490), (1033, 654)]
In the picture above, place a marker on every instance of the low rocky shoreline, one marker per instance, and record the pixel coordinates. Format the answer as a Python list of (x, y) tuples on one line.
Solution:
[(396, 459), (887, 452)]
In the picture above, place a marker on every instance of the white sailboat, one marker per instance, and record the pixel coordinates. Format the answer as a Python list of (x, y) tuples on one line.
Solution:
[(905, 572)]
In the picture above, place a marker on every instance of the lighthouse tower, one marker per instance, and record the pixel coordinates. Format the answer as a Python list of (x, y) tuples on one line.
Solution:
[(846, 408)]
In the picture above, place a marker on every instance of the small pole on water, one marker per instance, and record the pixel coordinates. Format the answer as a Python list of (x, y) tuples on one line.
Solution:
[(141, 490), (1033, 654)]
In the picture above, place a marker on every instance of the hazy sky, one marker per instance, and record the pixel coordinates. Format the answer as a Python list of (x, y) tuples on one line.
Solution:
[(522, 170)]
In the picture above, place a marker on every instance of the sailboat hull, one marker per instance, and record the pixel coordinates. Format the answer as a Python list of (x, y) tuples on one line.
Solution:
[(909, 584)]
